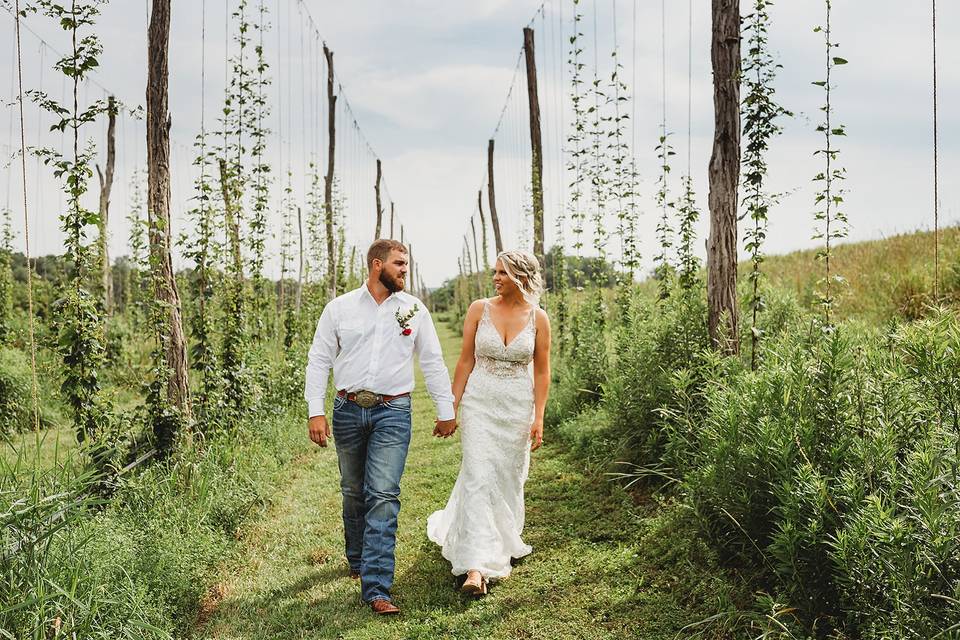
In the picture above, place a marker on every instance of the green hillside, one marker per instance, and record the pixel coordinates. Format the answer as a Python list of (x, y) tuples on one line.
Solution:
[(891, 277)]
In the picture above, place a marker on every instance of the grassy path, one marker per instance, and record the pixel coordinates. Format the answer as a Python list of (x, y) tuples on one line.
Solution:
[(601, 567)]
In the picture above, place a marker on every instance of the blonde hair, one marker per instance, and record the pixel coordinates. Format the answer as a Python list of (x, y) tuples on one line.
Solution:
[(524, 270)]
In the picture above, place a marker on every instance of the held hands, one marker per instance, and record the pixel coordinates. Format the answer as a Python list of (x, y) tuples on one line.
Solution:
[(319, 430), (445, 428), (536, 435)]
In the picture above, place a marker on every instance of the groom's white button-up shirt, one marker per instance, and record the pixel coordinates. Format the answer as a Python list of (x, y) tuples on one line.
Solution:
[(364, 344)]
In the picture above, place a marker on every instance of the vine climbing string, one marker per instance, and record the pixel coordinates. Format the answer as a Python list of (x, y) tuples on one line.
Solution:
[(936, 168), (35, 396)]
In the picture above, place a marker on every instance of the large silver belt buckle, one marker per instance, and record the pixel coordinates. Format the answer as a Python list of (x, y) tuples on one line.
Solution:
[(366, 399)]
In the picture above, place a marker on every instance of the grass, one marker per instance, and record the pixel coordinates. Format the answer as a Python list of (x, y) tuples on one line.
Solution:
[(42, 449), (602, 567), (887, 278)]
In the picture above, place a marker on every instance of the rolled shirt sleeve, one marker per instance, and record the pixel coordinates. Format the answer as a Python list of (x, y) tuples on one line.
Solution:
[(435, 373), (320, 359)]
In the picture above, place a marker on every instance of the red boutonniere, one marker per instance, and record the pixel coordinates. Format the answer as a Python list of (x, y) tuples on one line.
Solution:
[(404, 320)]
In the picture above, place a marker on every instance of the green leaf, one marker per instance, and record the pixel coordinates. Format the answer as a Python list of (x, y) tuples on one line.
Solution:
[(838, 60)]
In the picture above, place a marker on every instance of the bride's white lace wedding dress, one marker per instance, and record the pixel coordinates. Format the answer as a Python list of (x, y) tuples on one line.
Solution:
[(481, 525)]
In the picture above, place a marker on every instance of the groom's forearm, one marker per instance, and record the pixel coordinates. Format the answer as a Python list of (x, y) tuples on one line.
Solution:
[(315, 389), (319, 362), (427, 347), (438, 386)]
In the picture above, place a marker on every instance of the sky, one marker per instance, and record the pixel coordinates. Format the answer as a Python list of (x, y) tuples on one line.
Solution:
[(426, 82)]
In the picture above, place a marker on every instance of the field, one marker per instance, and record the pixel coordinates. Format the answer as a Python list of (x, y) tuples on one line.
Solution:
[(762, 447)]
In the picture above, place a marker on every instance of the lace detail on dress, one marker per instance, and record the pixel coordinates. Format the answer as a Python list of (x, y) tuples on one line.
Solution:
[(500, 368), (503, 360)]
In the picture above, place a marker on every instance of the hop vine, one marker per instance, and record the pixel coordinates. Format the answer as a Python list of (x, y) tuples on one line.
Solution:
[(665, 231), (261, 177), (577, 154), (598, 171), (137, 283), (687, 263), (832, 222), (81, 341), (203, 250), (6, 278), (760, 114)]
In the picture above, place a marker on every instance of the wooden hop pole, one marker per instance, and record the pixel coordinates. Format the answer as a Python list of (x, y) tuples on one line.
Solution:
[(483, 231), (458, 290), (300, 270), (411, 267), (468, 263), (106, 186), (424, 292), (491, 195), (724, 173), (376, 188), (536, 145), (158, 207), (328, 179), (476, 253)]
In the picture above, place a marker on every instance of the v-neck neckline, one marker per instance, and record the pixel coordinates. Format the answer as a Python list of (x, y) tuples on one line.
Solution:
[(503, 336)]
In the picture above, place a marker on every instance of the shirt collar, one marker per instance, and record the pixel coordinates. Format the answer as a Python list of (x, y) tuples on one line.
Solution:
[(365, 291)]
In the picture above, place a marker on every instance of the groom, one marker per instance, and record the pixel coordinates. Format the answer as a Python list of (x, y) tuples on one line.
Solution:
[(369, 337)]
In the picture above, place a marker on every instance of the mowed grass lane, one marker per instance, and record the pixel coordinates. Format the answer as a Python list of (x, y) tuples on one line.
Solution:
[(601, 567)]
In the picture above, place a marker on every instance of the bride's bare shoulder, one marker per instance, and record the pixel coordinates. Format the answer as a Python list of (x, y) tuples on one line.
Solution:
[(542, 319), (476, 307)]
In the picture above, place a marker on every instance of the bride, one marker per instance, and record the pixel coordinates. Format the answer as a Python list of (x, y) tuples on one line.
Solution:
[(501, 413)]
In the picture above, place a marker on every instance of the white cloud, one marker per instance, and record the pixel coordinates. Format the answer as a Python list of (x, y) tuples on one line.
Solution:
[(435, 98), (427, 80)]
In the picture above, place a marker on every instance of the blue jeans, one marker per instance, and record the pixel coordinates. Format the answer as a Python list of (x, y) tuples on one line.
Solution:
[(371, 451)]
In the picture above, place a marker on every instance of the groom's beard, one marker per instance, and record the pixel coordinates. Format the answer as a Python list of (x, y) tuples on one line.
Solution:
[(392, 284)]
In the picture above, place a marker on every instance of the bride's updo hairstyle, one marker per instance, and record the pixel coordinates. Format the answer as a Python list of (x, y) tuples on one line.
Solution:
[(524, 270)]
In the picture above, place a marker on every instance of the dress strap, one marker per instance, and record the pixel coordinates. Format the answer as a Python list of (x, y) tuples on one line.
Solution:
[(485, 316)]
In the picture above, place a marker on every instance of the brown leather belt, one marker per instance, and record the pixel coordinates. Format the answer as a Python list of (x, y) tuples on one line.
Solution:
[(367, 399)]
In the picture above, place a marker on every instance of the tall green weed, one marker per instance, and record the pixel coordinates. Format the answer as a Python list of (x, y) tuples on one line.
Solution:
[(830, 472), (138, 565)]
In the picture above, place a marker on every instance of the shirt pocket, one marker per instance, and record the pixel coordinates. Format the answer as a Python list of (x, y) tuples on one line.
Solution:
[(405, 343), (349, 336)]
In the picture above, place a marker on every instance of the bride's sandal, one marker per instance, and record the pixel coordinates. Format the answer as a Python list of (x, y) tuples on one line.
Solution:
[(475, 584)]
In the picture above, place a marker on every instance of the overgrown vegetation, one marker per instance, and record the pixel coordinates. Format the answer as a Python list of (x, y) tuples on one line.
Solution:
[(830, 217), (760, 114), (828, 473), (81, 341), (138, 565), (119, 535)]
